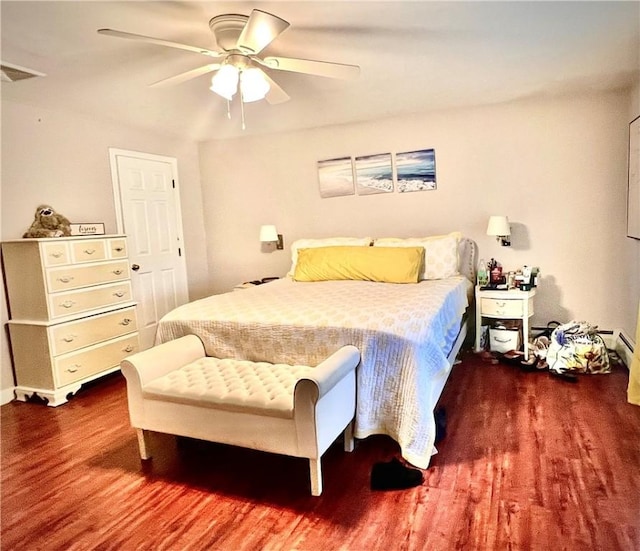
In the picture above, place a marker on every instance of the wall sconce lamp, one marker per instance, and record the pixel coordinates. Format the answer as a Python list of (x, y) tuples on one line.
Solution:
[(269, 234), (499, 226)]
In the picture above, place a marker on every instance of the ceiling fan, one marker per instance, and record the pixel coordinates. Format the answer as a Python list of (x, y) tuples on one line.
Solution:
[(236, 61)]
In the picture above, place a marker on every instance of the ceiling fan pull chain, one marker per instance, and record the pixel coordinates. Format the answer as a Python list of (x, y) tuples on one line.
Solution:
[(229, 109), (242, 112)]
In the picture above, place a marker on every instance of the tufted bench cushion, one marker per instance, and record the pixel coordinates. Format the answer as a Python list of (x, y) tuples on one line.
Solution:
[(233, 385)]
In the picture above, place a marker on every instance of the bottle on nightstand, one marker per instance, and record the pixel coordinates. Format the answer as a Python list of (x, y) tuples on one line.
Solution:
[(483, 274)]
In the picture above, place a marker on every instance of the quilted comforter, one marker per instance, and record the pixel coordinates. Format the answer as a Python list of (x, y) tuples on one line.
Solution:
[(404, 333)]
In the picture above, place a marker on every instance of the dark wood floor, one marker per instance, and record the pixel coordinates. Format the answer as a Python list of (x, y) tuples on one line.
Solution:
[(529, 463)]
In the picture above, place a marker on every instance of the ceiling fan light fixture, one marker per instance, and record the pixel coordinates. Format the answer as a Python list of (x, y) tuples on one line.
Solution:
[(253, 85), (225, 82)]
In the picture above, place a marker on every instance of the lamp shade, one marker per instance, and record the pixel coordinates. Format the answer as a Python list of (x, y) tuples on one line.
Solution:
[(498, 226), (268, 233), (225, 82), (253, 85)]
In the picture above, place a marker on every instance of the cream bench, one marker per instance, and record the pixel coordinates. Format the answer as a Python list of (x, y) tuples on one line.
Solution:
[(175, 388)]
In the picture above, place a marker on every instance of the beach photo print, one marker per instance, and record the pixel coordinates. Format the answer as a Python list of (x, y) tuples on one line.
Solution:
[(374, 174), (335, 177), (416, 170)]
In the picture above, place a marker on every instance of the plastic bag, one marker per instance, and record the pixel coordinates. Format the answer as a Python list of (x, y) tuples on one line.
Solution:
[(576, 347)]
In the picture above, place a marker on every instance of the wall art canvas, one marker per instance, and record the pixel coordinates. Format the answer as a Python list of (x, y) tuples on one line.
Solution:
[(374, 174), (416, 170), (335, 177)]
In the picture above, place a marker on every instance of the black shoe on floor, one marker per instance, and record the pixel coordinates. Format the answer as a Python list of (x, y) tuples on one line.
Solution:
[(394, 476), (564, 375)]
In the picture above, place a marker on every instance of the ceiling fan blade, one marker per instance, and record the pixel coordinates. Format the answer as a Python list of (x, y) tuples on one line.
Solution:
[(187, 75), (275, 94), (261, 29), (160, 42), (310, 67)]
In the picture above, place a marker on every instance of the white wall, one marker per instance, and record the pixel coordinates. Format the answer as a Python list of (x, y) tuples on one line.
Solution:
[(555, 166), (63, 160), (633, 245)]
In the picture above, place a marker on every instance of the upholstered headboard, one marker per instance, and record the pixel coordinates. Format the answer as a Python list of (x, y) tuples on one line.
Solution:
[(467, 258), (467, 250)]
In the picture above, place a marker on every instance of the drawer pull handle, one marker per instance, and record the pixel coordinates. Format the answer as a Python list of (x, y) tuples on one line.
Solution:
[(126, 321), (89, 251), (69, 338), (73, 368), (57, 254), (117, 272), (118, 249), (501, 304), (119, 294), (68, 303), (128, 348), (65, 279)]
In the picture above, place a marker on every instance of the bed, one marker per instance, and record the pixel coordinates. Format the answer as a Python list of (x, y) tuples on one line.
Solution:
[(408, 334)]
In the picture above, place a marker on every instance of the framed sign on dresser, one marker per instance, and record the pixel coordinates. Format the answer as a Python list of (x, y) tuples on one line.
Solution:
[(72, 314)]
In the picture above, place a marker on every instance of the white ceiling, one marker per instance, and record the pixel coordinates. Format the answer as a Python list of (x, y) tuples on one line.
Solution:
[(414, 56)]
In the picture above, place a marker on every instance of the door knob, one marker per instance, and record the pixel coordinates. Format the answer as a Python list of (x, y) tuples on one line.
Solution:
[(135, 267)]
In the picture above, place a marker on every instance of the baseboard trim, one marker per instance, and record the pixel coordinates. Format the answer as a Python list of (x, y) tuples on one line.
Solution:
[(7, 395), (624, 346)]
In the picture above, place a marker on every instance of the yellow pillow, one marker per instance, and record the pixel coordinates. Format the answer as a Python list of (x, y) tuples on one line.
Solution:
[(308, 243), (384, 264)]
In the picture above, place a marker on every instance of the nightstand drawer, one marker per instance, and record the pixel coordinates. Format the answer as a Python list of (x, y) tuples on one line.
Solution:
[(78, 365), (504, 307)]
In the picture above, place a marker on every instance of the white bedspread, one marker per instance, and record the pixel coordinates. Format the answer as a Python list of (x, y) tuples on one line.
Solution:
[(404, 333)]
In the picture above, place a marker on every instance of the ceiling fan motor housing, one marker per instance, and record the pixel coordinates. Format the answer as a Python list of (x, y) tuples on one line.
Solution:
[(227, 28), (239, 61)]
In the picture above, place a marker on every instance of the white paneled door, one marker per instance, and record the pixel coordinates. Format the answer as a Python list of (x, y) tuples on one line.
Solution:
[(146, 192)]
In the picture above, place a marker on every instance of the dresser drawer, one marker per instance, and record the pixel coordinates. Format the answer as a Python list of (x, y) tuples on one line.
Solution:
[(78, 365), (90, 250), (55, 254), (72, 302), (73, 335), (504, 307), (117, 248), (75, 277)]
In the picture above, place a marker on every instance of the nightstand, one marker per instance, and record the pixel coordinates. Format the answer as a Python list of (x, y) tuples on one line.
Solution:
[(507, 305)]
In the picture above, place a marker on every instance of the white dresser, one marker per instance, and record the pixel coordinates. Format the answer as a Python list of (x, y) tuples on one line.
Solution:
[(72, 314)]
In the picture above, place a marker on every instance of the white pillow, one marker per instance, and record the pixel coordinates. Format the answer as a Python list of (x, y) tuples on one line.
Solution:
[(327, 242), (440, 253)]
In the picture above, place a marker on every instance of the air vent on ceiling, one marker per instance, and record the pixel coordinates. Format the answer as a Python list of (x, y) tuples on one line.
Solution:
[(11, 73)]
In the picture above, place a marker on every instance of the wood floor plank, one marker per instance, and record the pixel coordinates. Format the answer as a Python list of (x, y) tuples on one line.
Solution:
[(529, 463)]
